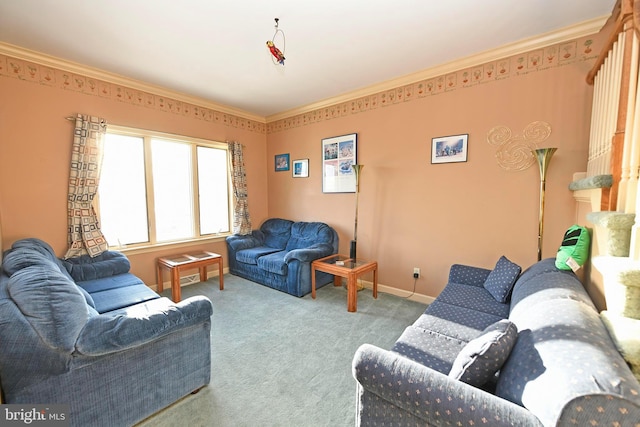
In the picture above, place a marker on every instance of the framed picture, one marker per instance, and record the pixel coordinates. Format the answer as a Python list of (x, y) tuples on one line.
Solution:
[(301, 168), (282, 162), (449, 149), (338, 154)]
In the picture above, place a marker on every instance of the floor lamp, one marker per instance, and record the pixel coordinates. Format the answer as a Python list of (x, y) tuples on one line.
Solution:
[(352, 253), (543, 155)]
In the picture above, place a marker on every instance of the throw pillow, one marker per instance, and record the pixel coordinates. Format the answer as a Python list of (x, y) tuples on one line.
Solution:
[(483, 356), (502, 278), (574, 249)]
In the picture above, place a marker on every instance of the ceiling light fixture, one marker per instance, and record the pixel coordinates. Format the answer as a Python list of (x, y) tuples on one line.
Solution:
[(277, 54)]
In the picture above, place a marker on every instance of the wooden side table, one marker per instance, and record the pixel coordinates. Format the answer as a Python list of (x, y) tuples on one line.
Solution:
[(176, 263), (342, 266)]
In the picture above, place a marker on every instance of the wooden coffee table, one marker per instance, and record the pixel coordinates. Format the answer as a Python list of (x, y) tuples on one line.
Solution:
[(176, 263), (342, 266)]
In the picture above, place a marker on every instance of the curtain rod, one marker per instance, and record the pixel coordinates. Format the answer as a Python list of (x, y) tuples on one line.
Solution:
[(73, 119)]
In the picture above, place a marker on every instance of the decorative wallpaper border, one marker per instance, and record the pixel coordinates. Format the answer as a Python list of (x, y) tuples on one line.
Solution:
[(36, 73), (553, 56)]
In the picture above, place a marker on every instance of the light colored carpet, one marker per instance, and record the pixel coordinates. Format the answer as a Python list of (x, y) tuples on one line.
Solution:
[(279, 360)]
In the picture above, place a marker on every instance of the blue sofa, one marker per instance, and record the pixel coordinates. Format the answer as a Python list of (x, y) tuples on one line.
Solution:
[(279, 254), (87, 333), (561, 368)]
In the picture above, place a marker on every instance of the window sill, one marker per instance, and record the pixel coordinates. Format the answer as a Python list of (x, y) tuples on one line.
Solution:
[(143, 249)]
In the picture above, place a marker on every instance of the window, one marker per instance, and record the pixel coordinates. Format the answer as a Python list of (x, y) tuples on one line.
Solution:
[(157, 188)]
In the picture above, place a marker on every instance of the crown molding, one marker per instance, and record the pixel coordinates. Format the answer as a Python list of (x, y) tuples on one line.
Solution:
[(98, 74), (526, 45)]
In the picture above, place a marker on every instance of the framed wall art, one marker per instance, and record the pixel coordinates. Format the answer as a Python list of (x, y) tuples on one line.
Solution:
[(449, 149), (301, 168), (282, 162), (338, 154)]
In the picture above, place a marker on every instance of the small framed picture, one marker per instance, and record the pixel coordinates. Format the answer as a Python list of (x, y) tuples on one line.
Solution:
[(301, 168), (449, 149), (282, 162)]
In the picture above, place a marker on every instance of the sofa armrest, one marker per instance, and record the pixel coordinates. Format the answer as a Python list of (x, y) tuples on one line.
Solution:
[(238, 242), (107, 264), (309, 254), (430, 395), (140, 324), (468, 275)]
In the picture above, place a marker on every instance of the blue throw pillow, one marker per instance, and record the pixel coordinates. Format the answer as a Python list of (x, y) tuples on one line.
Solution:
[(501, 279), (483, 356)]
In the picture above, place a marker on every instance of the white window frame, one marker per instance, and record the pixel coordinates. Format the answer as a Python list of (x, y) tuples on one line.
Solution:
[(147, 136)]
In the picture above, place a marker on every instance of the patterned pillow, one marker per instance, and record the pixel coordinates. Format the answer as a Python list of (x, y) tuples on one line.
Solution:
[(502, 278), (483, 356)]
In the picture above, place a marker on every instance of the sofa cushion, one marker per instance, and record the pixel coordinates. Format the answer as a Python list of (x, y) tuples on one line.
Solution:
[(87, 297), (276, 232), (123, 290), (52, 304), (17, 259), (473, 297), (563, 351), (274, 263), (119, 281), (429, 348), (116, 298), (454, 321), (251, 255), (502, 278), (85, 267), (306, 234), (543, 282), (483, 356)]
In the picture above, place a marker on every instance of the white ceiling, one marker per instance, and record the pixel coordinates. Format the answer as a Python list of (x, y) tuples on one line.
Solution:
[(216, 50)]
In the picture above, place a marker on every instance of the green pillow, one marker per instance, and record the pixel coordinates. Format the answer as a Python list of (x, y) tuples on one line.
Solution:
[(574, 249)]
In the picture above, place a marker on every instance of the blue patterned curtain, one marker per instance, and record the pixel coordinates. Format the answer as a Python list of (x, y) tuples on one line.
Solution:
[(241, 218), (84, 235)]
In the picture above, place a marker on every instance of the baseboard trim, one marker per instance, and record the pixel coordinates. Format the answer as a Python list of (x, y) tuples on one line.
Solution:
[(190, 279), (421, 298)]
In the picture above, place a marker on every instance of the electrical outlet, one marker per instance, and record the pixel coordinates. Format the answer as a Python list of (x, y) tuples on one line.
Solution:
[(416, 272)]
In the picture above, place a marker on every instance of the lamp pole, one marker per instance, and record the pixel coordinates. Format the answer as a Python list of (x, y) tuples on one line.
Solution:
[(352, 253), (543, 155)]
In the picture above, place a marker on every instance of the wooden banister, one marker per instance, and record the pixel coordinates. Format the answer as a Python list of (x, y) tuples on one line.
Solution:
[(623, 11)]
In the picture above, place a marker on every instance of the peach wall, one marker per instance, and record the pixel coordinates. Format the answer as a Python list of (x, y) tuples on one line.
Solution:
[(412, 213), (416, 214), (35, 147)]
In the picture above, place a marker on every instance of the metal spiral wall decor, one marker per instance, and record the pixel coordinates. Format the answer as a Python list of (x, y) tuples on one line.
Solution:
[(514, 152)]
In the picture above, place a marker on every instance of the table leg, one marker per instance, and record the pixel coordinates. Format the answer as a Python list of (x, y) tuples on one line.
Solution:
[(159, 278), (352, 293), (375, 282), (221, 273), (203, 273), (313, 282), (175, 285), (337, 280)]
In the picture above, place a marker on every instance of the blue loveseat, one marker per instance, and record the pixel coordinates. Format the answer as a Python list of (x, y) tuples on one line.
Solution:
[(279, 254), (561, 368), (87, 333)]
